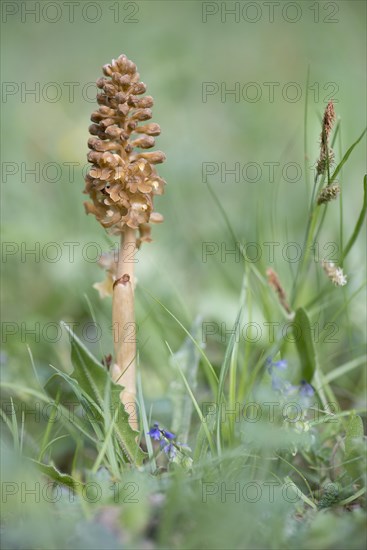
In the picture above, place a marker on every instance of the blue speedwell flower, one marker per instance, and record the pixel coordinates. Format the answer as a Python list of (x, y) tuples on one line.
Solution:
[(158, 434), (169, 449), (277, 382), (165, 439), (155, 432), (305, 389), (280, 365), (168, 435)]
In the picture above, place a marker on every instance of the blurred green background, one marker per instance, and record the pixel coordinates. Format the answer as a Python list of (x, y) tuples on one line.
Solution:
[(176, 53)]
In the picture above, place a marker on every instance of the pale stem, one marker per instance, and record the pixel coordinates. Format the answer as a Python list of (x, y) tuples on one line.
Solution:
[(123, 321)]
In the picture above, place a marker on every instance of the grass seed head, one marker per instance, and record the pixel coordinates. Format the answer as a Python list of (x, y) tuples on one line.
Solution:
[(274, 282), (334, 273), (328, 194), (326, 153)]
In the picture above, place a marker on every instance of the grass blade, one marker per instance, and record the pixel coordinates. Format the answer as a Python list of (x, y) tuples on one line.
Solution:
[(195, 403), (358, 224), (188, 358), (144, 420), (210, 372), (346, 157), (305, 345)]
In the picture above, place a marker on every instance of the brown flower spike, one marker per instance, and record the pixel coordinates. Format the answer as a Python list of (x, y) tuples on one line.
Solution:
[(273, 280), (326, 153), (122, 181)]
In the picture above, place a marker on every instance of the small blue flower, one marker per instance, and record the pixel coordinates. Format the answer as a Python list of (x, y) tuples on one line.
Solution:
[(277, 382), (155, 432), (305, 389), (168, 435), (281, 365), (170, 450), (158, 434)]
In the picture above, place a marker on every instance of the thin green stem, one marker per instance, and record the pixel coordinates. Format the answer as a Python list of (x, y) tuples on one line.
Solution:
[(308, 239), (358, 224), (305, 132), (341, 239)]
